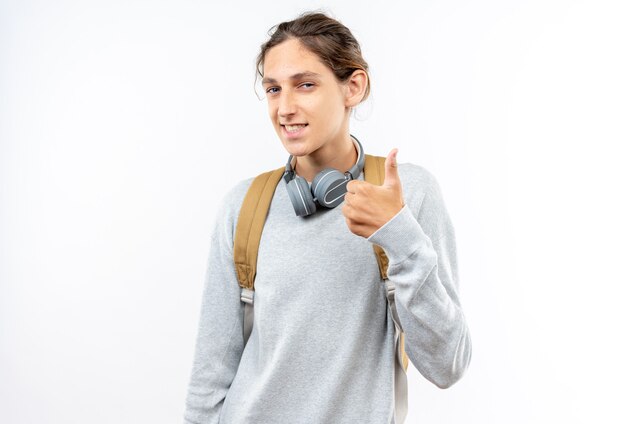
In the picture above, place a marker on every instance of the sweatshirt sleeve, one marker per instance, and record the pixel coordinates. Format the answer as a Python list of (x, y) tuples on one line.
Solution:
[(219, 342), (420, 244)]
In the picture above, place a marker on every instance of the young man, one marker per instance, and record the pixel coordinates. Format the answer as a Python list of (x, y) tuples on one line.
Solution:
[(323, 343)]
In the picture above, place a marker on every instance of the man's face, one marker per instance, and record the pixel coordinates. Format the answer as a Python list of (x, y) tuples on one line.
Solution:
[(301, 89)]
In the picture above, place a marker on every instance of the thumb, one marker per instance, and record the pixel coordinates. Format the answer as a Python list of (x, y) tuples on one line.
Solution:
[(391, 169)]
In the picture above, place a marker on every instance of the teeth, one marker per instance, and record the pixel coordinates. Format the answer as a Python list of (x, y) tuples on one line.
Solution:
[(293, 128)]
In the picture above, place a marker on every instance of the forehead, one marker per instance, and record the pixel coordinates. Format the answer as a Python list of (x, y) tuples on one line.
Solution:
[(289, 58)]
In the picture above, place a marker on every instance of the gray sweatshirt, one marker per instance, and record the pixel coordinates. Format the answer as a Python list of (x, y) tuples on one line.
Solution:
[(322, 346)]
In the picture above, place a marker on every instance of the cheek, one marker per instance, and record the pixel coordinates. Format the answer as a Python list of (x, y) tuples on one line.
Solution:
[(331, 113), (322, 108), (333, 102), (271, 110)]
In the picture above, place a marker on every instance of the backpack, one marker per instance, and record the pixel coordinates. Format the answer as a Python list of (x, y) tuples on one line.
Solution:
[(250, 224)]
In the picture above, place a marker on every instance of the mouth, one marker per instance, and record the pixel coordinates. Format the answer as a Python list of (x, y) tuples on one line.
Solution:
[(293, 130)]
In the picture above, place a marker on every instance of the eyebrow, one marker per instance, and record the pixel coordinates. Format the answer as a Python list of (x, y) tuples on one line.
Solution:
[(299, 75)]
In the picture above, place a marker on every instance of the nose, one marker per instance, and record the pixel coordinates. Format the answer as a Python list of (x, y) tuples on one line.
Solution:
[(286, 103)]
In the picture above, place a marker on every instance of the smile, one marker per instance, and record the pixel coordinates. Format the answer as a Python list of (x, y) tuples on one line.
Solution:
[(294, 128), (292, 131)]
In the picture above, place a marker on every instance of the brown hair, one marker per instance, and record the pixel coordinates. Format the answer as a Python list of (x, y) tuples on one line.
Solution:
[(326, 37)]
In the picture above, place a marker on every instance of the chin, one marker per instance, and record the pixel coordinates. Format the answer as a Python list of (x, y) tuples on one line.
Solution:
[(296, 147), (295, 151)]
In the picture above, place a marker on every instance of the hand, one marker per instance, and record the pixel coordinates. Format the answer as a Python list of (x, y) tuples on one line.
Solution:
[(367, 207)]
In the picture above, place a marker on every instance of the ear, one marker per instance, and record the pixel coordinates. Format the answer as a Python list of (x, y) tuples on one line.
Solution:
[(355, 88)]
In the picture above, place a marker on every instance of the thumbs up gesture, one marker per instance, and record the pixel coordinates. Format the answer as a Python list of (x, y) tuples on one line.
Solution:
[(367, 207)]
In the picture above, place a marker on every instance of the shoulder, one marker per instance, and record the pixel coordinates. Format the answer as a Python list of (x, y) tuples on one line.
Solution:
[(417, 182), (422, 193), (232, 201), (416, 174), (228, 213), (234, 197)]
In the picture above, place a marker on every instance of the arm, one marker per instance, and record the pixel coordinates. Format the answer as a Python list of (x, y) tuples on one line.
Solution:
[(219, 343), (420, 245)]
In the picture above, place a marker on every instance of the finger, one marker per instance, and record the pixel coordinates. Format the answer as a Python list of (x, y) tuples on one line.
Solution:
[(392, 178), (353, 186)]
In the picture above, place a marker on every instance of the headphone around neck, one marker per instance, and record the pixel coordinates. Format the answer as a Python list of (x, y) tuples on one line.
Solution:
[(327, 189)]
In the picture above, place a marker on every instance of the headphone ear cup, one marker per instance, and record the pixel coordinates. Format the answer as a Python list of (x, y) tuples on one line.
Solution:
[(301, 197), (329, 187)]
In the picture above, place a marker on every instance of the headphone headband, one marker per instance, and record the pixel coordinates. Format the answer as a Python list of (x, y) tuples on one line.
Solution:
[(354, 172)]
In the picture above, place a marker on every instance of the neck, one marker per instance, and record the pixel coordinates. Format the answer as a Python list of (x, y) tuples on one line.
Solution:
[(341, 157)]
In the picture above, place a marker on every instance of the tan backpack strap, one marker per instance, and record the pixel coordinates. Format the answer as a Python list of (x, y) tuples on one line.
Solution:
[(250, 223), (405, 358), (374, 173), (374, 169)]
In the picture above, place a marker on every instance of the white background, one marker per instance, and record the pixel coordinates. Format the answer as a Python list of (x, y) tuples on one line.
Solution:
[(123, 123)]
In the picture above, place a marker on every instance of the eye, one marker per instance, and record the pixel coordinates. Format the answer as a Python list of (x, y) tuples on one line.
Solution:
[(269, 90), (308, 83)]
